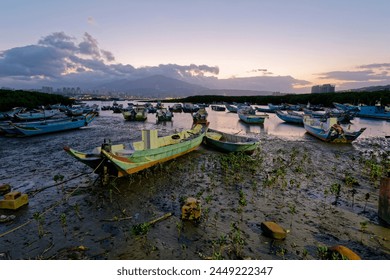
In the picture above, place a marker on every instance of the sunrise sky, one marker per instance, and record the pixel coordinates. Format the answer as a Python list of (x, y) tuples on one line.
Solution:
[(278, 45)]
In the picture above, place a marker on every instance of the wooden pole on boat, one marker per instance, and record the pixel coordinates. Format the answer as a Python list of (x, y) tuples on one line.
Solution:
[(384, 200)]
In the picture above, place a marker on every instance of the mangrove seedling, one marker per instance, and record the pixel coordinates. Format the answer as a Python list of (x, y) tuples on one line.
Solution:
[(322, 252), (59, 178), (353, 193), (292, 211), (63, 222), (39, 218), (366, 197), (76, 208), (242, 201), (363, 227), (236, 240), (335, 190), (143, 228)]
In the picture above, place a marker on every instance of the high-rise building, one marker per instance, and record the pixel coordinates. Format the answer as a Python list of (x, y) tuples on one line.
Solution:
[(326, 88)]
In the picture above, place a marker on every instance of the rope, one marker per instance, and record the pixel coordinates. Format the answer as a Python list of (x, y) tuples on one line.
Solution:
[(34, 192), (55, 204)]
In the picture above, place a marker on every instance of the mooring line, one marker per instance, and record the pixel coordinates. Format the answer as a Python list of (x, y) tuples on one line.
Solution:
[(55, 204), (44, 212)]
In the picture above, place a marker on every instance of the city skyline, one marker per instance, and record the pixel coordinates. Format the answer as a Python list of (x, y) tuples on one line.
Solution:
[(286, 46)]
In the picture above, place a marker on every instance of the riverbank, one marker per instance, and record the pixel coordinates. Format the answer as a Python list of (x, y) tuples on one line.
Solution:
[(322, 194)]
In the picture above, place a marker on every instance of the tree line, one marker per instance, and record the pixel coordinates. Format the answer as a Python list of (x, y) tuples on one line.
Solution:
[(324, 99), (29, 99)]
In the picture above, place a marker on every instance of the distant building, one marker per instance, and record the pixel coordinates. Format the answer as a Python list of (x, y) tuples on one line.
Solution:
[(47, 90), (326, 88)]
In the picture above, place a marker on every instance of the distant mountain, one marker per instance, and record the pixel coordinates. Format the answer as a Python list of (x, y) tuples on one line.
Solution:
[(373, 88), (157, 85), (236, 92)]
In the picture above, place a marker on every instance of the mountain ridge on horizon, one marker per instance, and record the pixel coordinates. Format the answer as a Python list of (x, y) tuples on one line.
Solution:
[(162, 86)]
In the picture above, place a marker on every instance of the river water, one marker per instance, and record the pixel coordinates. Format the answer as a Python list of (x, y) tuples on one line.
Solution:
[(80, 213)]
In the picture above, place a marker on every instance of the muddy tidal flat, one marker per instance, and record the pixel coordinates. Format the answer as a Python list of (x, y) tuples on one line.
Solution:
[(322, 194)]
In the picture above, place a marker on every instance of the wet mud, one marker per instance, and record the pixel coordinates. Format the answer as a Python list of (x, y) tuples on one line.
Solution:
[(322, 194)]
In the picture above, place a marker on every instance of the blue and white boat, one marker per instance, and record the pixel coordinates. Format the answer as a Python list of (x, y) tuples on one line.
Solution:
[(11, 113), (231, 108), (273, 108), (43, 127), (346, 107), (330, 130), (229, 143), (248, 115), (35, 115), (376, 112), (290, 116)]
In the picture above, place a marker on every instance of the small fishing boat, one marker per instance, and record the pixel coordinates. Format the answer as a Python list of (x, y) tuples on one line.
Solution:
[(231, 108), (219, 108), (121, 160), (11, 113), (176, 108), (137, 113), (330, 130), (346, 107), (35, 115), (290, 116), (248, 115), (375, 112), (200, 117), (273, 108), (49, 126), (226, 142), (190, 108), (164, 115)]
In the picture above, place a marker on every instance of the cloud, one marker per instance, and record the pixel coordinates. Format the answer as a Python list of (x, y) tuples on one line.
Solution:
[(362, 76), (370, 72), (61, 60), (348, 75), (376, 66)]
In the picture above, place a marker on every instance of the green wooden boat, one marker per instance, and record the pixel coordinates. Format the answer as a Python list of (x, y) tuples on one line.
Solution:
[(121, 160), (226, 142)]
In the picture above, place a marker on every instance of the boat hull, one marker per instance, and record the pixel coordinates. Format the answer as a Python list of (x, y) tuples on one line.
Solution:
[(290, 118), (328, 133), (252, 119), (230, 143), (119, 163), (38, 128)]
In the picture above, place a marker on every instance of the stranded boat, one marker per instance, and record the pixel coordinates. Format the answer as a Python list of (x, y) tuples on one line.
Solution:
[(121, 160), (330, 130), (226, 142)]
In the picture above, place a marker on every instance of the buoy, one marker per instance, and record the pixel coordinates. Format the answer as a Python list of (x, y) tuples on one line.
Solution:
[(13, 200), (273, 230), (191, 209)]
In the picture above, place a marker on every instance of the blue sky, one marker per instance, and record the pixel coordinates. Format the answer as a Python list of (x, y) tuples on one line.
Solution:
[(277, 45)]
